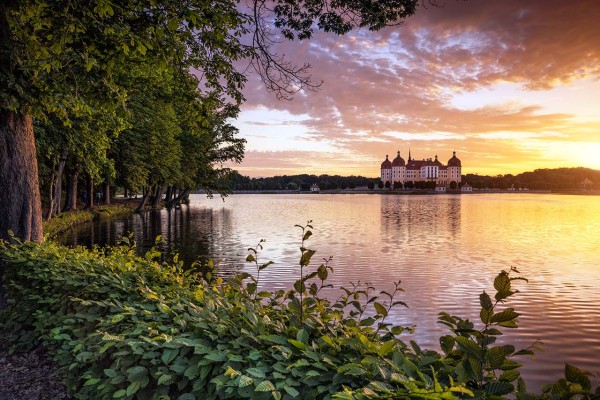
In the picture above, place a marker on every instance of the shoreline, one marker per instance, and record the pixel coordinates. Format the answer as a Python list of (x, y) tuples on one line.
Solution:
[(61, 223), (416, 192)]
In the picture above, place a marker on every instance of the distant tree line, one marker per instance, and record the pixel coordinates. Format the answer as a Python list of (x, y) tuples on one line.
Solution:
[(299, 182), (540, 179)]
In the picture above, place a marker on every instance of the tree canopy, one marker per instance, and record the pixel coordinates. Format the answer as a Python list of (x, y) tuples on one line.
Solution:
[(100, 77)]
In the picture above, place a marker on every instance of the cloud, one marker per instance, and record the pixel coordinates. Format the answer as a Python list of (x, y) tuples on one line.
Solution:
[(397, 87)]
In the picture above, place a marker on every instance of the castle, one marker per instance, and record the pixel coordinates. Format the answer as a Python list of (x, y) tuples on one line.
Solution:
[(421, 170)]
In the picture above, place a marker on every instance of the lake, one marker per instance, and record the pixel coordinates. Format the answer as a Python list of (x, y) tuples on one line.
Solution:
[(446, 249)]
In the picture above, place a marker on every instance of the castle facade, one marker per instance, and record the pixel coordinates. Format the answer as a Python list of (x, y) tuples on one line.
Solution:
[(402, 171)]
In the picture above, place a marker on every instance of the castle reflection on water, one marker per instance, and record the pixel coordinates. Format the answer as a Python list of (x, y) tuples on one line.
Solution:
[(446, 249)]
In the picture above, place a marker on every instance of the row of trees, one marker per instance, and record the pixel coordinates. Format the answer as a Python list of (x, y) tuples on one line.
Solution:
[(298, 182), (325, 182), (138, 93), (173, 139), (540, 179)]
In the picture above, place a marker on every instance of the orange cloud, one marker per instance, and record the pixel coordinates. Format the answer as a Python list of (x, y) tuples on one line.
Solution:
[(395, 89)]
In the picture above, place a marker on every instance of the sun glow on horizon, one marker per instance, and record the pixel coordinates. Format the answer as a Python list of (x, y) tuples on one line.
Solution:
[(510, 99)]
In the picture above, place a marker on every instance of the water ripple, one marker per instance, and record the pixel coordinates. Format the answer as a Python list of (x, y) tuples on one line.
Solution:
[(445, 249)]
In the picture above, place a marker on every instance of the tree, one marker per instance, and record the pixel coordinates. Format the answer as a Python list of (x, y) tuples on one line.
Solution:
[(371, 185), (63, 57), (388, 185), (453, 185), (380, 185), (397, 185)]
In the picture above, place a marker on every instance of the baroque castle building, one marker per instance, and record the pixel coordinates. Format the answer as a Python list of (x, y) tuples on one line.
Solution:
[(402, 171)]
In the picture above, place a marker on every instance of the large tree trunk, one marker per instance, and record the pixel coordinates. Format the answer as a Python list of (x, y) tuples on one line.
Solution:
[(90, 191), (50, 196), (106, 190), (144, 201), (177, 200), (71, 194), (20, 204), (169, 194), (157, 196), (58, 184)]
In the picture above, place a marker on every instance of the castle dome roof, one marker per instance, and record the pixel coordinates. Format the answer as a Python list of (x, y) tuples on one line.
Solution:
[(386, 164), (398, 161), (454, 161)]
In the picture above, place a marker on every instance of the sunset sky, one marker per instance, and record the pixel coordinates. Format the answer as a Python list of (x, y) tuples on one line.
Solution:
[(510, 85)]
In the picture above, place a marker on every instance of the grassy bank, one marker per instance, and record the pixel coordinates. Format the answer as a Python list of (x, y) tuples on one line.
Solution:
[(67, 220), (122, 326)]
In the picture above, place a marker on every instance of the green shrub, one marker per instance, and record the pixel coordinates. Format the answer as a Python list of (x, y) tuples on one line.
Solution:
[(67, 220), (122, 326)]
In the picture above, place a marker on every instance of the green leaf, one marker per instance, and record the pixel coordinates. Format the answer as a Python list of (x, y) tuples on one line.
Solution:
[(506, 315), (91, 381), (169, 355), (502, 282), (498, 388), (251, 287), (279, 339), (265, 386), (369, 321), (120, 393), (510, 364), (111, 373), (265, 265), (291, 391), (306, 256), (117, 318), (297, 344), (216, 356), (302, 336), (493, 332), (510, 376), (496, 356), (192, 372), (245, 381), (485, 301), (165, 379), (576, 375), (469, 347), (380, 308), (250, 258), (256, 372), (299, 286), (307, 234), (447, 343), (134, 387), (135, 372), (485, 315), (322, 272)]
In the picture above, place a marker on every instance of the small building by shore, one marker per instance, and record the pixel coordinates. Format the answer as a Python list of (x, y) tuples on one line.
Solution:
[(466, 188)]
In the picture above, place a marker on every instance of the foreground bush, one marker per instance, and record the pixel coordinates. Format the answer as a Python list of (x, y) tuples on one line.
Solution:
[(67, 220), (122, 326)]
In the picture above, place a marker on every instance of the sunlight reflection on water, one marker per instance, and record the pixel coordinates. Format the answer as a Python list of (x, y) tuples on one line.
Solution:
[(446, 249)]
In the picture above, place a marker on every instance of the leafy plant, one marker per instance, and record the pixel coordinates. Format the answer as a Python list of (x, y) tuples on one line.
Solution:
[(122, 326)]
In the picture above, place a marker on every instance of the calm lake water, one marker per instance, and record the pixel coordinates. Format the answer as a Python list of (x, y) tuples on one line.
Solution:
[(445, 249)]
